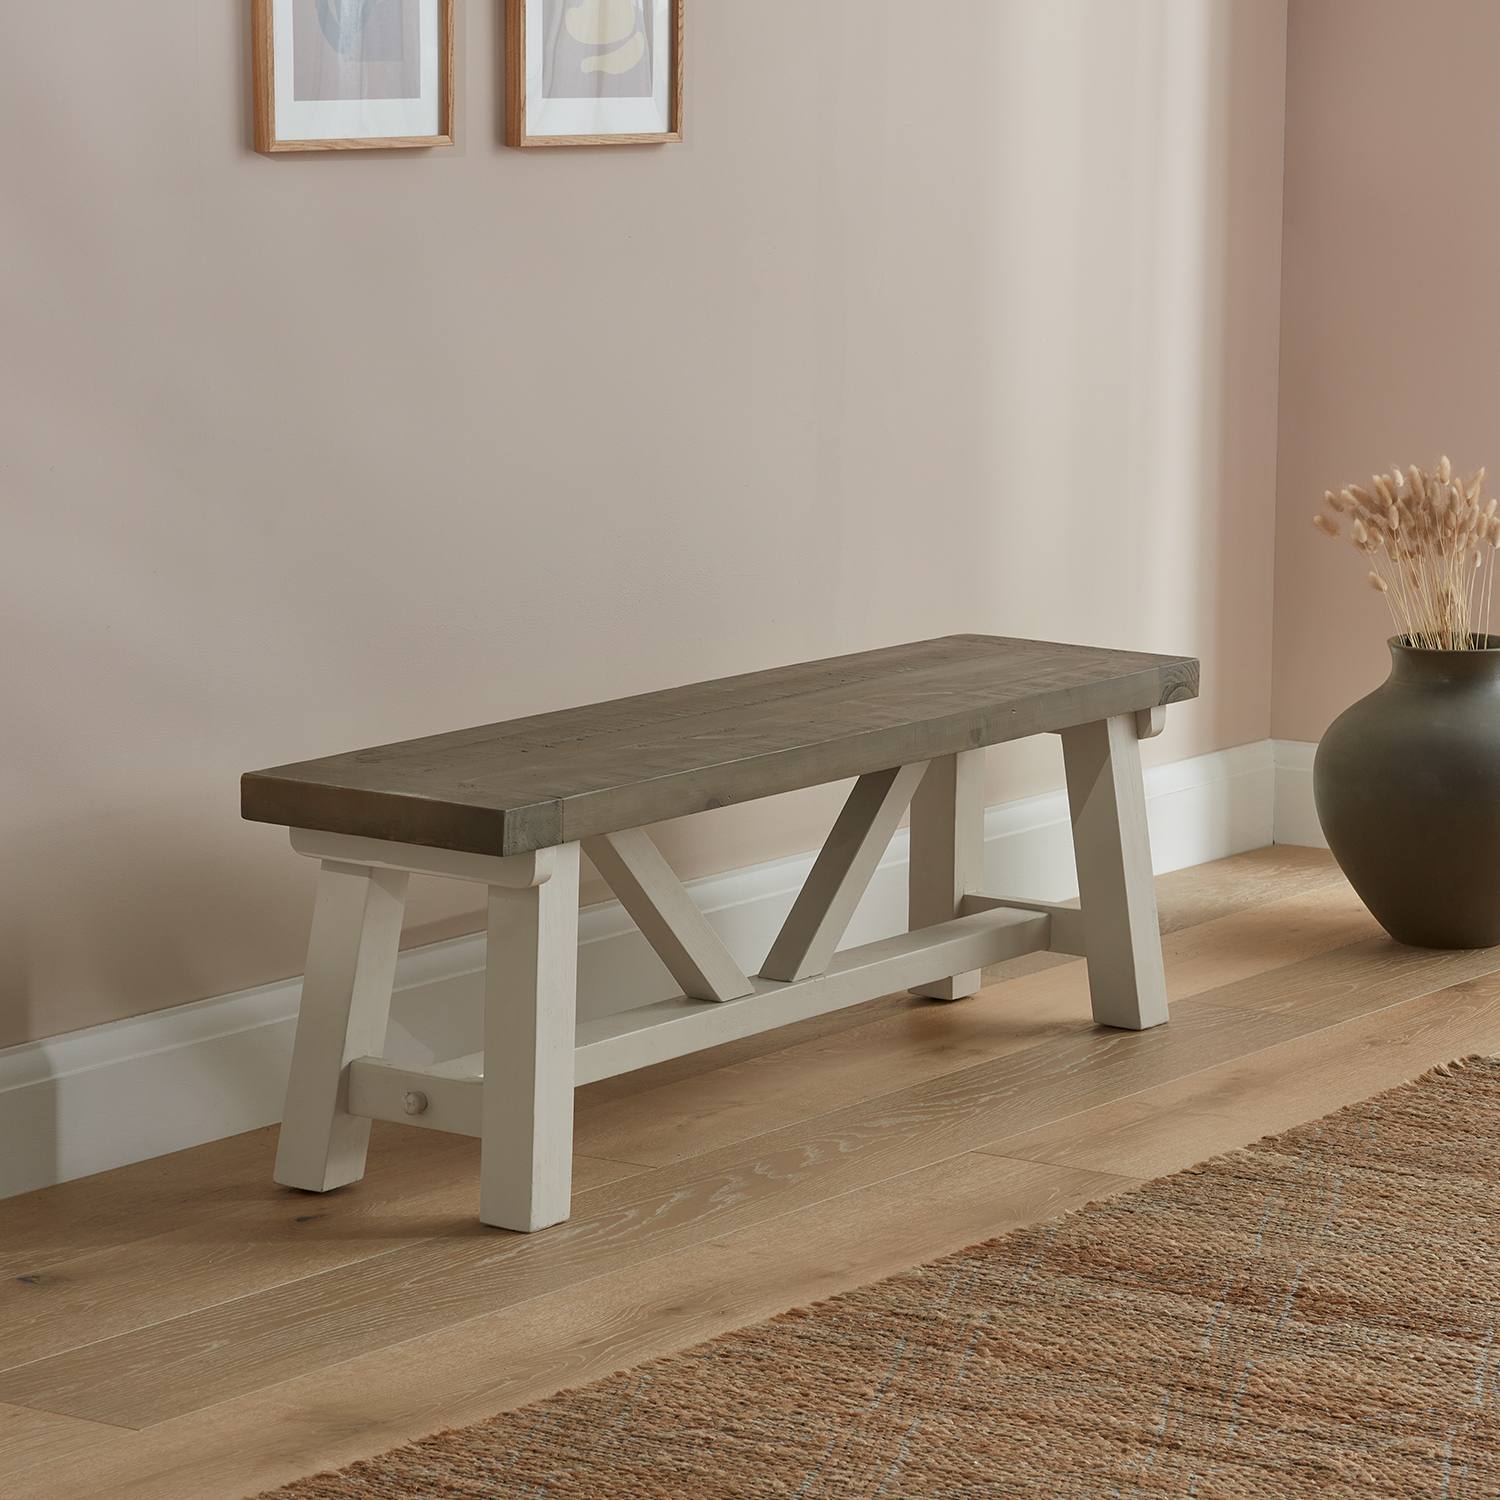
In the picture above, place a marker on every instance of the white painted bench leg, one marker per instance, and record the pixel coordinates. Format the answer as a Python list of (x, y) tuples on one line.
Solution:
[(346, 1001), (526, 1159), (947, 853), (1107, 799)]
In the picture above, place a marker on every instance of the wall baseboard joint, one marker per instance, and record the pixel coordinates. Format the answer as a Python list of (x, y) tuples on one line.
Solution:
[(1296, 816)]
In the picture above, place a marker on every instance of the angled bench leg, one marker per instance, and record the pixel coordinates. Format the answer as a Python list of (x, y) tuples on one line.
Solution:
[(947, 853), (1107, 799), (346, 1001), (526, 1158)]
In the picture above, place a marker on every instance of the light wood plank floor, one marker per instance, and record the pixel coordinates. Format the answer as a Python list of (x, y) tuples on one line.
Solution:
[(184, 1328)]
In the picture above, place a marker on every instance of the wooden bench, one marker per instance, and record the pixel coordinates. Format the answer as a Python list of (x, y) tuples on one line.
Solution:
[(511, 805)]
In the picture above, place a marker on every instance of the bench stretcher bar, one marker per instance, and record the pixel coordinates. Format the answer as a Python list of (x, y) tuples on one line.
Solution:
[(631, 1039)]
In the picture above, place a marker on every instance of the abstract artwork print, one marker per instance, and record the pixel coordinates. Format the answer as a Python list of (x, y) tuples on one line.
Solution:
[(593, 72), (597, 49), (356, 49)]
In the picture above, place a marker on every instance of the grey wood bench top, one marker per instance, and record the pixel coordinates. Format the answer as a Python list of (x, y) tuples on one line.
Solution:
[(503, 789)]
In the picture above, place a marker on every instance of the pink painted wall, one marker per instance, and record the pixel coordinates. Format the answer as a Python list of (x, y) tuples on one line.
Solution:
[(1390, 346), (949, 316)]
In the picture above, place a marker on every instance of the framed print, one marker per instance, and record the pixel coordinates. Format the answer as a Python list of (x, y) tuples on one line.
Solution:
[(344, 75), (593, 72)]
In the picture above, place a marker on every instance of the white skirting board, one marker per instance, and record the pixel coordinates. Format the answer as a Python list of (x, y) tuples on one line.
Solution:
[(90, 1100), (1296, 816)]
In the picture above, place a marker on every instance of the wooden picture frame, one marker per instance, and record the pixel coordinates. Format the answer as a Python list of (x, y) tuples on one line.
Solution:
[(585, 117), (336, 112)]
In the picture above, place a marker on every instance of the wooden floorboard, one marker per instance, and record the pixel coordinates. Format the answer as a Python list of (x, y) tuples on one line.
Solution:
[(180, 1190), (29, 1438), (1365, 976), (587, 1331), (248, 1248), (189, 1362), (712, 1190), (1279, 872), (1164, 1129)]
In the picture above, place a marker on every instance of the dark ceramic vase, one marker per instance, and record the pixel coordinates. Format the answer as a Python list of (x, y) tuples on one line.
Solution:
[(1407, 784)]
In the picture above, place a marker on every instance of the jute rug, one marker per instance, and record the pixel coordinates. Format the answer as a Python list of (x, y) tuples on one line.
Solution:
[(1315, 1315)]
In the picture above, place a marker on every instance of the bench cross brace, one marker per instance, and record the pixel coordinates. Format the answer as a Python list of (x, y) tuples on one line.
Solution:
[(841, 873), (658, 904)]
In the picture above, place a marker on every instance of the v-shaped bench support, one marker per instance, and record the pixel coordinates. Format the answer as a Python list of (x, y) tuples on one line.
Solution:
[(841, 873), (693, 952)]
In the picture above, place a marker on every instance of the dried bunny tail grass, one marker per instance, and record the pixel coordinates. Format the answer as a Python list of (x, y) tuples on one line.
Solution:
[(1434, 549)]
